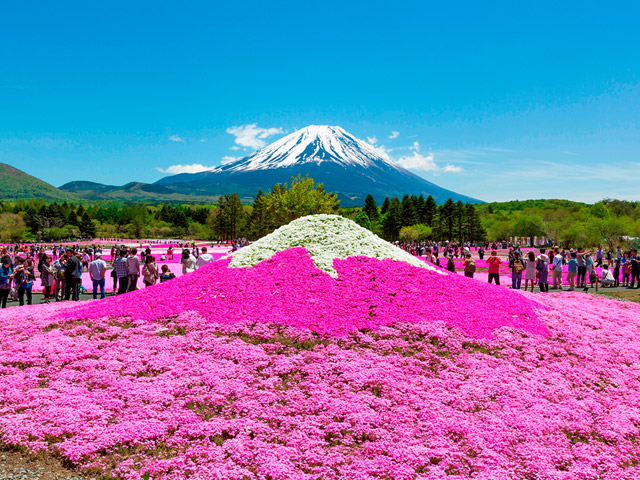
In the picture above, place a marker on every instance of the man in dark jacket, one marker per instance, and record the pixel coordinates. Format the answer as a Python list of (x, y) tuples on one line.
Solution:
[(73, 277)]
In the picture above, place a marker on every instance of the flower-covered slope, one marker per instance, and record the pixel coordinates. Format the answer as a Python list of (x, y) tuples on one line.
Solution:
[(326, 237), (281, 371), (186, 397), (288, 289)]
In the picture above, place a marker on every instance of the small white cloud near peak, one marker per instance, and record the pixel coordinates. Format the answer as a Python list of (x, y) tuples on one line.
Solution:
[(425, 163), (451, 169), (394, 134), (416, 146), (372, 140), (176, 138), (177, 169), (251, 135)]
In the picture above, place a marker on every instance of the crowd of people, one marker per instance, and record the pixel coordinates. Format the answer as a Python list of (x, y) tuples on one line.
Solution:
[(619, 268), (61, 270)]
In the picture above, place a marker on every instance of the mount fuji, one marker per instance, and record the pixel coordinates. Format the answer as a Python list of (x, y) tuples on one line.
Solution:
[(346, 165)]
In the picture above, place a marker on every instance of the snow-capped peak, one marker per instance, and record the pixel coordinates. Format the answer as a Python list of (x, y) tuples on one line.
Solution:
[(317, 144)]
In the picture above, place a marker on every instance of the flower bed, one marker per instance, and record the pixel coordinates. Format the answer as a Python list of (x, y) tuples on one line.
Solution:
[(281, 371)]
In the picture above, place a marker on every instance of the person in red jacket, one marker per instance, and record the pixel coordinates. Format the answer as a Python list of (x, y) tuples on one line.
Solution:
[(494, 267)]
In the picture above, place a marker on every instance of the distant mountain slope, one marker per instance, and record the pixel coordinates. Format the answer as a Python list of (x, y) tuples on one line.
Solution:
[(133, 192), (16, 184), (346, 165)]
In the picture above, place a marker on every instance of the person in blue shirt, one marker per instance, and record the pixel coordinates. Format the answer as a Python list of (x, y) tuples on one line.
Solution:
[(573, 271), (6, 274)]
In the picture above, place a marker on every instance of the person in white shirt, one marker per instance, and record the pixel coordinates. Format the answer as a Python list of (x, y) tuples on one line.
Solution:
[(97, 270), (188, 261), (606, 277), (557, 269), (133, 266), (204, 258)]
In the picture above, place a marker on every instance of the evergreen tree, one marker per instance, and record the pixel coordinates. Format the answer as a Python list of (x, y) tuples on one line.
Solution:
[(409, 214), (446, 214), (419, 204), (87, 227), (429, 211), (392, 221), (259, 224), (385, 206), (459, 221), (371, 209)]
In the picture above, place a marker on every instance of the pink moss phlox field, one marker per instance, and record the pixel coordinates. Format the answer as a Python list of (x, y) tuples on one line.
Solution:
[(188, 393), (289, 290)]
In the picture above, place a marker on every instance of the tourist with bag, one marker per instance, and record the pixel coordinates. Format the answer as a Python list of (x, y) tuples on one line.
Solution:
[(517, 267)]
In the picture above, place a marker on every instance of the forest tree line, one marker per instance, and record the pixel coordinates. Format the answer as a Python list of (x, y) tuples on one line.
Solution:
[(411, 218)]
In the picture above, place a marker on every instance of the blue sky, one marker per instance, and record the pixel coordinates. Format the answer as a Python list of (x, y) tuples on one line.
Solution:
[(498, 101)]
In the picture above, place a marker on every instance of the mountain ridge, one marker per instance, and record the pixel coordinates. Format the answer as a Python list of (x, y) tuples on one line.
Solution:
[(345, 165)]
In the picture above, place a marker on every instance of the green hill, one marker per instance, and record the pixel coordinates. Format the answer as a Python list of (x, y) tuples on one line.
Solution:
[(16, 184), (133, 192)]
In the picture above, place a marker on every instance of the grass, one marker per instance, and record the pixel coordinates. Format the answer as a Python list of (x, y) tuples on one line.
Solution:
[(628, 295)]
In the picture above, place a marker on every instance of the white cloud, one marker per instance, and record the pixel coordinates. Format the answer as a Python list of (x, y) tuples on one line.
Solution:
[(394, 134), (228, 159), (193, 168), (426, 163), (451, 169), (235, 147), (251, 135), (372, 140), (203, 140), (176, 138)]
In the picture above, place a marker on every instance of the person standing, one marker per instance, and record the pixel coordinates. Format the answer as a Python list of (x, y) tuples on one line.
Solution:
[(204, 258), (582, 266), (47, 275), (542, 266), (149, 271), (6, 275), (188, 262), (494, 267), (122, 272), (59, 278), (72, 278), (517, 267), (599, 256), (558, 261), (530, 270), (635, 269), (97, 270), (133, 264), (573, 271), (469, 266)]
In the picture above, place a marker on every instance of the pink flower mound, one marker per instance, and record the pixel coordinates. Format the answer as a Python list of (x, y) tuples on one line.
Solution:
[(194, 398), (289, 290)]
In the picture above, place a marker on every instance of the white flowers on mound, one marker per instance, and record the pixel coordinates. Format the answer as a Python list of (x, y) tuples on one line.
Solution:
[(326, 237)]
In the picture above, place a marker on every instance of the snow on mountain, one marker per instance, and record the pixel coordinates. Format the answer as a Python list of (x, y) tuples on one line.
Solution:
[(345, 165), (314, 144)]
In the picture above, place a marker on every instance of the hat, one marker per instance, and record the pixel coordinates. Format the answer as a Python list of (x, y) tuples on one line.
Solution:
[(97, 254)]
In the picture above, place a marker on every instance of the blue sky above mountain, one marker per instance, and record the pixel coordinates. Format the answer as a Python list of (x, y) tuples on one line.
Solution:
[(498, 101)]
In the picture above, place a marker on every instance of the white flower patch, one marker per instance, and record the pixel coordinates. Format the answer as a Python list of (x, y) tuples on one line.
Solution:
[(326, 237)]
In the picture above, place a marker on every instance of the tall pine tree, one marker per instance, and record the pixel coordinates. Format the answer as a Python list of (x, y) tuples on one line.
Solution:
[(371, 209)]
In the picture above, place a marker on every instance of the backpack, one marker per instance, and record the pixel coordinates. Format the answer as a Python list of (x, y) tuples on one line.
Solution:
[(627, 268), (471, 267), (542, 266), (517, 266)]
